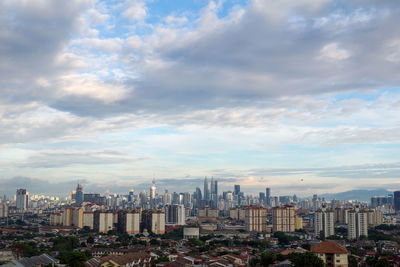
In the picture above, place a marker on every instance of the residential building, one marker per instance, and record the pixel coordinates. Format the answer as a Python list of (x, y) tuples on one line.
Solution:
[(255, 219), (283, 219), (331, 253), (324, 223)]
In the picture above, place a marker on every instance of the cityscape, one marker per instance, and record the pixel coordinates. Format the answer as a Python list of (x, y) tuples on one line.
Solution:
[(203, 227), (200, 133)]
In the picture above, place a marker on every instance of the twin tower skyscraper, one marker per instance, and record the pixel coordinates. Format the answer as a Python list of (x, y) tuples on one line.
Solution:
[(210, 194)]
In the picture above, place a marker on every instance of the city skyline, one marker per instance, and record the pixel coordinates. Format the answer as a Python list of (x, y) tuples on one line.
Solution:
[(300, 96)]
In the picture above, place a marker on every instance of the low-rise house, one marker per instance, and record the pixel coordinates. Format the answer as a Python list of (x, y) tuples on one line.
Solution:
[(331, 253)]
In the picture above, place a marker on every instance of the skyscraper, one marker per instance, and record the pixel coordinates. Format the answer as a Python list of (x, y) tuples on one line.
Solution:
[(206, 192), (396, 200), (237, 189), (268, 196), (22, 199), (153, 190), (79, 194), (214, 192)]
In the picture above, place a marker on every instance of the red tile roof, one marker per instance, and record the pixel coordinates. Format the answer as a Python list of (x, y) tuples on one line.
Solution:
[(329, 247)]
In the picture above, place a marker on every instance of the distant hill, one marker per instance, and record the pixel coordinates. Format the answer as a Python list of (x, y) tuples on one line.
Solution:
[(362, 195)]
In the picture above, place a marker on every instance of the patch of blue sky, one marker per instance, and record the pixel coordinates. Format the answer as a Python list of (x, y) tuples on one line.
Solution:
[(368, 96)]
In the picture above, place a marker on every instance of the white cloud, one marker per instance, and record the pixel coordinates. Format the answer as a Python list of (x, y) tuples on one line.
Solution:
[(135, 10), (332, 52)]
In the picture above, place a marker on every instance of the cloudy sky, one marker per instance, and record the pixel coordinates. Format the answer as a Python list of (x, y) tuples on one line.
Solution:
[(301, 96)]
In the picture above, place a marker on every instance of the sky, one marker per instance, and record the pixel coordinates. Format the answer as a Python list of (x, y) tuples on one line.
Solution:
[(300, 96)]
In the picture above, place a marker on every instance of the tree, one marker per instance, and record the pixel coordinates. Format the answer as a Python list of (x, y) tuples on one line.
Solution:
[(267, 258), (353, 262), (73, 258), (90, 240), (306, 259), (382, 262)]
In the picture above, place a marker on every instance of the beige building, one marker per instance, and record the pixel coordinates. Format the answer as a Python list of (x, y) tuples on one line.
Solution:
[(255, 219), (208, 212), (103, 221), (358, 224), (77, 217), (324, 223), (88, 218), (68, 216), (154, 221), (298, 222), (283, 219), (375, 218), (56, 218), (237, 214), (3, 210), (331, 253)]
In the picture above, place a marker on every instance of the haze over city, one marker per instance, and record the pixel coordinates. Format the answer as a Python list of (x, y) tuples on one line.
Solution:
[(300, 96)]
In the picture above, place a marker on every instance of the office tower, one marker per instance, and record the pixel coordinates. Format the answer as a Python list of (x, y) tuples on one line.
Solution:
[(128, 221), (131, 196), (94, 198), (73, 196), (283, 219), (236, 189), (3, 210), (175, 214), (324, 223), (153, 190), (103, 221), (79, 194), (153, 221), (214, 192), (22, 199), (294, 198), (358, 224), (268, 196), (255, 219), (206, 192), (261, 197), (396, 200), (197, 198)]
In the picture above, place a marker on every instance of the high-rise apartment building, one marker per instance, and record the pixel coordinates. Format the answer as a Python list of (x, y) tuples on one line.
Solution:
[(77, 217), (129, 222), (358, 224), (283, 219), (153, 221), (22, 199), (375, 217), (175, 214), (3, 210), (255, 219), (103, 221), (324, 223)]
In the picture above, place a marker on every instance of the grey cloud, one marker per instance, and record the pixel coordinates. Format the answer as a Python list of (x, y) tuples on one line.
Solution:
[(57, 159)]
